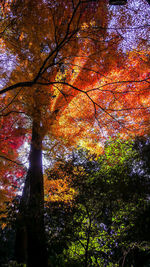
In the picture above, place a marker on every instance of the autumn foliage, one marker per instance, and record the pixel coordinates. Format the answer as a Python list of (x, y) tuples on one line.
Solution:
[(67, 81)]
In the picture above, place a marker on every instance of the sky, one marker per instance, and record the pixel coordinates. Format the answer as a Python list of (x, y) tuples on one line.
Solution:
[(135, 19)]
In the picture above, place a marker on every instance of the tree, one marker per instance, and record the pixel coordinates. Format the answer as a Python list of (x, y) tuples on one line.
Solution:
[(66, 60), (31, 226)]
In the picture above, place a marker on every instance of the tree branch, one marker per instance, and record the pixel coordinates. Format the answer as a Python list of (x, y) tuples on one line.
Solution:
[(13, 161)]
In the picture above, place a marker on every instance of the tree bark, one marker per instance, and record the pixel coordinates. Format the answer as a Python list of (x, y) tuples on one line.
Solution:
[(30, 234)]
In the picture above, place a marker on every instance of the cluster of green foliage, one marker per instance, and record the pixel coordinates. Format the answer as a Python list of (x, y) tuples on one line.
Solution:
[(109, 221)]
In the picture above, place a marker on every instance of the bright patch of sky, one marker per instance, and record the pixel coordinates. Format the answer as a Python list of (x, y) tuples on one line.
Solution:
[(131, 23), (7, 64)]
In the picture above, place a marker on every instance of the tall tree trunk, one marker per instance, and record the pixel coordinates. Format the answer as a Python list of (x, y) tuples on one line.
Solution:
[(30, 236)]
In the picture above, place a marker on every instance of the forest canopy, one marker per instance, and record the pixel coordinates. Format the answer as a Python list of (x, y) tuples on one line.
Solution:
[(75, 118)]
